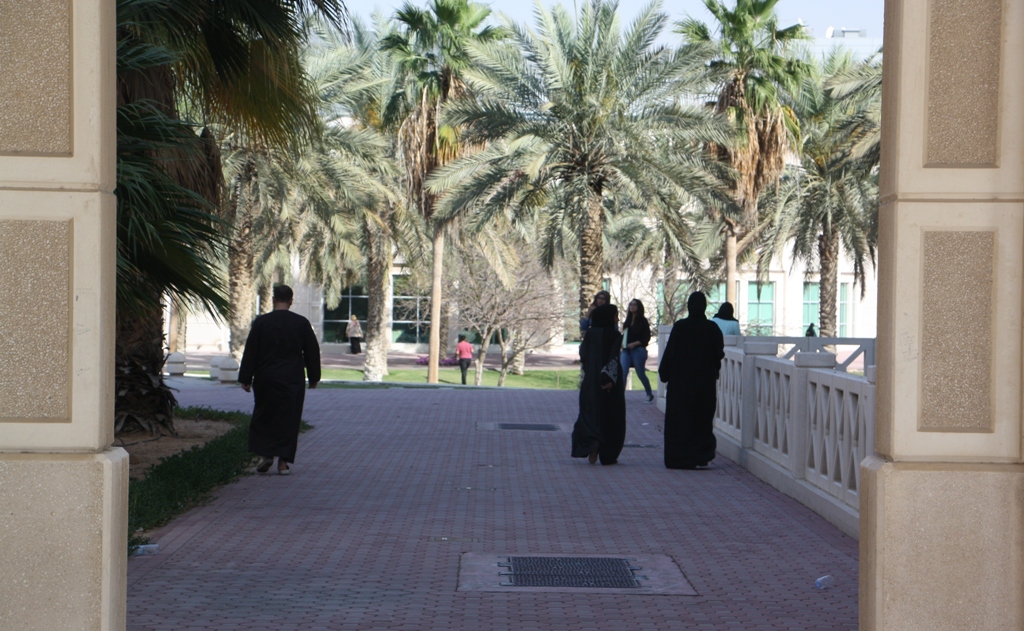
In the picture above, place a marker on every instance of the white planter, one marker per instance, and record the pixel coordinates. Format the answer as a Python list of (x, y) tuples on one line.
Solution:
[(228, 370), (175, 364), (215, 366)]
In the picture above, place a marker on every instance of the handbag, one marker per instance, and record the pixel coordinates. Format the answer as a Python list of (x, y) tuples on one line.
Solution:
[(610, 372)]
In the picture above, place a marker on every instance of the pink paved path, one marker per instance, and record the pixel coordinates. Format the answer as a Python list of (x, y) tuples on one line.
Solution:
[(346, 541)]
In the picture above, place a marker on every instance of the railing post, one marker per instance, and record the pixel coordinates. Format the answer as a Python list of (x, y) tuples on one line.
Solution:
[(748, 415), (800, 407)]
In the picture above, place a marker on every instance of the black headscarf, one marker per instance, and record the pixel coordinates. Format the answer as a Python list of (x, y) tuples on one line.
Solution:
[(602, 336), (605, 315), (697, 305), (725, 312)]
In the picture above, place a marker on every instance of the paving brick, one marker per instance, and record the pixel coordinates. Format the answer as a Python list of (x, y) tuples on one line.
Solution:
[(345, 541)]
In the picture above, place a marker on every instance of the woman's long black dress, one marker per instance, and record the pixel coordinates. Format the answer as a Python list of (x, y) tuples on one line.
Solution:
[(690, 365), (601, 423)]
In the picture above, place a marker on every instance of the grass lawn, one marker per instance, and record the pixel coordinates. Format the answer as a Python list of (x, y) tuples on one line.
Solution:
[(564, 379), (546, 379)]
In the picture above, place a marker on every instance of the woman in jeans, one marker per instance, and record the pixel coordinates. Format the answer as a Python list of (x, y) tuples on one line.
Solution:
[(636, 335)]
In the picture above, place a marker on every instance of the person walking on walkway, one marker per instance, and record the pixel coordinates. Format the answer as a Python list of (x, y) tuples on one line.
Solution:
[(355, 335), (726, 320), (281, 345), (464, 351), (636, 335), (600, 429), (690, 365), (600, 298)]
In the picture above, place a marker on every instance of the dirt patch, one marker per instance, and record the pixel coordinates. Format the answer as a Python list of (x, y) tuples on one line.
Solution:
[(144, 450)]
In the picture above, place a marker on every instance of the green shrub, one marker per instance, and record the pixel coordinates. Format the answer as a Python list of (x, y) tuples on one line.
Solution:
[(186, 479)]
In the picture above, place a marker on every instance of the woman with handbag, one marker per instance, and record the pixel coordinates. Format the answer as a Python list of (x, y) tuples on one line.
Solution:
[(600, 429)]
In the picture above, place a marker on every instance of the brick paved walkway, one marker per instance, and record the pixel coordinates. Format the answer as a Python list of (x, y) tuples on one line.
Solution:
[(351, 540)]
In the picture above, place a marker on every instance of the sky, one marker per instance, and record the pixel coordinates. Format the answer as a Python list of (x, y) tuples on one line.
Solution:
[(817, 14)]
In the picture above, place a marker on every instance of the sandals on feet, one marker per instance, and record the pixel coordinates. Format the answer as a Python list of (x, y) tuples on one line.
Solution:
[(287, 470), (264, 465)]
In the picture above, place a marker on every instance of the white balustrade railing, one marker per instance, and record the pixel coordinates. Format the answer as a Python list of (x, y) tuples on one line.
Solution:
[(728, 416), (795, 418), (841, 425), (773, 418)]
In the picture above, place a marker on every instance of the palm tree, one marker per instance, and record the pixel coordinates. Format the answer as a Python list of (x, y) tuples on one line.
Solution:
[(750, 58), (581, 118), (232, 62), (831, 199), (668, 241), (364, 219), (431, 52)]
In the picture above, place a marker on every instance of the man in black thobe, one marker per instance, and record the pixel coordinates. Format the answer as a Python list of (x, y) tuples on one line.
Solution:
[(690, 365), (281, 345)]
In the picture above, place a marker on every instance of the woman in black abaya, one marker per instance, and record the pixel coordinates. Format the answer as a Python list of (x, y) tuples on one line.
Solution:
[(689, 365), (600, 429)]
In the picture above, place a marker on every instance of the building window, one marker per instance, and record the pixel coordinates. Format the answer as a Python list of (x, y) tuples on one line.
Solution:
[(716, 296), (410, 314), (812, 305), (353, 301), (760, 308), (845, 310)]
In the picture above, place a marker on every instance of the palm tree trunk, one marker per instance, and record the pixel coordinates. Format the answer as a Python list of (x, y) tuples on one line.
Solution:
[(173, 326), (142, 398), (378, 317), (435, 304), (241, 285), (591, 252), (731, 272), (828, 256), (266, 293)]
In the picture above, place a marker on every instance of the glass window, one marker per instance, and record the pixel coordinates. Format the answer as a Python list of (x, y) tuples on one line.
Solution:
[(845, 310), (812, 305), (760, 308), (716, 296)]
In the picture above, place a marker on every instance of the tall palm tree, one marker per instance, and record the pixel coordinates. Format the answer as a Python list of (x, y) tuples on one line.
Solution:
[(431, 51), (667, 241), (259, 182), (581, 118), (365, 219), (230, 61), (750, 57), (829, 202)]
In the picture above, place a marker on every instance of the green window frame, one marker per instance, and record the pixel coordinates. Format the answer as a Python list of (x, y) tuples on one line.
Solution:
[(761, 308), (845, 310), (716, 296), (812, 305)]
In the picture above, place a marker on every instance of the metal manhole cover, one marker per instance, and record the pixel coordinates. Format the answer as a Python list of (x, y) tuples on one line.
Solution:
[(537, 427), (569, 572)]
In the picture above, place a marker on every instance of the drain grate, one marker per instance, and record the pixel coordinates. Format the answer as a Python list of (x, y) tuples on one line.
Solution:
[(537, 427), (569, 572)]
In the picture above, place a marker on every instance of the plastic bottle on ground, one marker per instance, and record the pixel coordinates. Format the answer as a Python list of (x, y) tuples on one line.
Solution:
[(825, 582)]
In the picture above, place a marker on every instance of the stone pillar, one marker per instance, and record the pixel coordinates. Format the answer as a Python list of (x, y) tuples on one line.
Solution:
[(942, 506), (63, 489)]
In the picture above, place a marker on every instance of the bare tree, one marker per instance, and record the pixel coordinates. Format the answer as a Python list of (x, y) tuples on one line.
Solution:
[(517, 306)]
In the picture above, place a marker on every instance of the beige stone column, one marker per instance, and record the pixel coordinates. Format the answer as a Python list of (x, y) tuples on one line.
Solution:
[(63, 489), (942, 542)]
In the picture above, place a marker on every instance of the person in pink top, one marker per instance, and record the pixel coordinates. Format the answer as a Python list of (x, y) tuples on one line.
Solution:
[(464, 351)]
